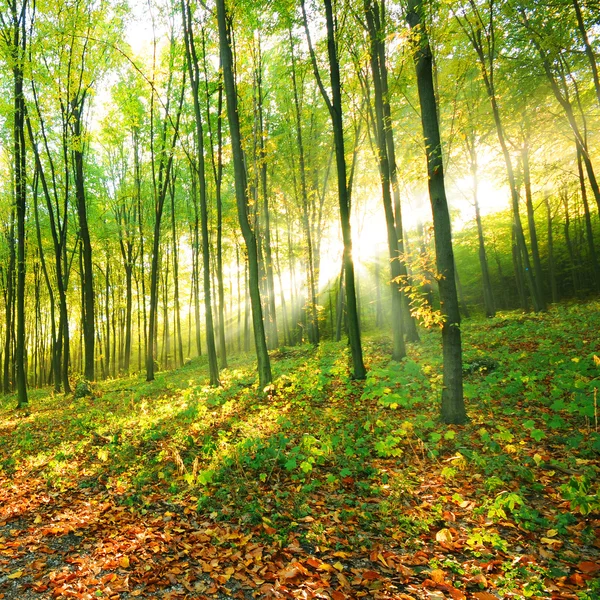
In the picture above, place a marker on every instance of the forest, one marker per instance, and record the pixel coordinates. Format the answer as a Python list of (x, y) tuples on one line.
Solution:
[(299, 299)]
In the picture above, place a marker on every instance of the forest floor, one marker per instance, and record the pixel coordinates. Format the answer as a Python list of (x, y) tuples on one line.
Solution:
[(323, 487)]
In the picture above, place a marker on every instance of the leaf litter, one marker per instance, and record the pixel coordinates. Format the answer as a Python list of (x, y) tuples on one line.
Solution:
[(320, 487)]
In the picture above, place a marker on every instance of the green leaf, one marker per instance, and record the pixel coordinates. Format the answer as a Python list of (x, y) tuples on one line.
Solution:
[(537, 434)]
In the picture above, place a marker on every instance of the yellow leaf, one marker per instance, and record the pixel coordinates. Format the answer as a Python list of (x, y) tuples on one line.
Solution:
[(38, 519), (339, 566), (15, 575), (443, 536), (551, 533), (124, 562), (551, 542)]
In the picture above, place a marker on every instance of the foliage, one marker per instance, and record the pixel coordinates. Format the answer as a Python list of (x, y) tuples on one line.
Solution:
[(323, 481)]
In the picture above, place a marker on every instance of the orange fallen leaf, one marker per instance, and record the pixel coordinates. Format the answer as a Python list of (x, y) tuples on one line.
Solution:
[(576, 579), (124, 562), (338, 595), (484, 596), (456, 593), (437, 575)]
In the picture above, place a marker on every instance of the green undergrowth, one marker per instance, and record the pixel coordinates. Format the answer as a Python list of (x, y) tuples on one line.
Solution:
[(351, 463)]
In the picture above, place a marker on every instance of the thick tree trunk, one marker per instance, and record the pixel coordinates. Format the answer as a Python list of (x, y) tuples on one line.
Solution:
[(453, 408)]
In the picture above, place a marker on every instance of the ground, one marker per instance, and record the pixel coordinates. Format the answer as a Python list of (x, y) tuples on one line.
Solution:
[(318, 486)]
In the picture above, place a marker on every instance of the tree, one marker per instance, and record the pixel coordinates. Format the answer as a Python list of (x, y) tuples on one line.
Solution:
[(241, 193), (194, 78), (334, 106), (453, 408)]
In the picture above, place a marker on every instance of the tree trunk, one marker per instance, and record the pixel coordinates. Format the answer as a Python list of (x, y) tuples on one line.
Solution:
[(398, 348), (86, 243), (194, 75), (9, 297), (488, 294), (453, 408), (588, 223), (335, 108), (551, 263), (262, 355), (537, 263)]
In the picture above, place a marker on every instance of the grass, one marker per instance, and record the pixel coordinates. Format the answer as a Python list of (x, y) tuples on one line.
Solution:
[(353, 470)]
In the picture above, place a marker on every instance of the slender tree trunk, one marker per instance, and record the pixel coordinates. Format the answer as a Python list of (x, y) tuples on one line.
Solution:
[(161, 186), (86, 243), (410, 324), (314, 323), (537, 263), (399, 349), (483, 44), (107, 316), (551, 262), (569, 243), (20, 175), (588, 222), (9, 296), (177, 332), (589, 51), (262, 355), (335, 108), (194, 76), (453, 408)]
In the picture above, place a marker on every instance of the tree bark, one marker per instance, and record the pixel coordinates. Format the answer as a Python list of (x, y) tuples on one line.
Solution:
[(334, 105), (453, 408), (262, 355)]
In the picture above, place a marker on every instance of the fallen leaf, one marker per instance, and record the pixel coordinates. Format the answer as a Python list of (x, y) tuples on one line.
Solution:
[(588, 567), (15, 575), (370, 575), (124, 562), (484, 596), (438, 575), (290, 573), (456, 593), (444, 536)]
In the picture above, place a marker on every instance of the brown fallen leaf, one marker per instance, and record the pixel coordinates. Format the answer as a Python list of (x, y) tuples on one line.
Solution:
[(370, 575), (588, 567), (484, 596)]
